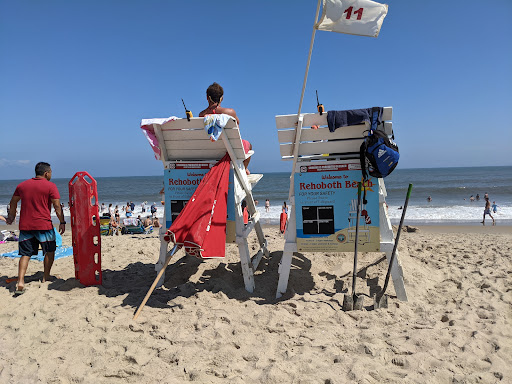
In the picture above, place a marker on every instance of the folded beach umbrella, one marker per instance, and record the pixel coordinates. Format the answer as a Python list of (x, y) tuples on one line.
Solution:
[(201, 225)]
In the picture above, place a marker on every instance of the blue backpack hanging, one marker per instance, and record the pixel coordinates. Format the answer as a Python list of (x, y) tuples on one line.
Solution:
[(378, 154)]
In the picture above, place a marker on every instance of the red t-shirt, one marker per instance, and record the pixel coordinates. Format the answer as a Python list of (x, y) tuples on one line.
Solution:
[(36, 203)]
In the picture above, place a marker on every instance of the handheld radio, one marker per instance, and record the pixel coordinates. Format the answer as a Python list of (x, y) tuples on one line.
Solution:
[(187, 112), (319, 106)]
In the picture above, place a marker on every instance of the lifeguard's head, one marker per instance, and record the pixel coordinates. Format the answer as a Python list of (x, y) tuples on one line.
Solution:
[(214, 93)]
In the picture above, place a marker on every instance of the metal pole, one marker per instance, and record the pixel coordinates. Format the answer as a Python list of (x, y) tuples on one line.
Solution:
[(298, 131), (309, 58)]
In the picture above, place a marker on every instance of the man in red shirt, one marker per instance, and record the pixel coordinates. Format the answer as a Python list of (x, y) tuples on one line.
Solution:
[(37, 196)]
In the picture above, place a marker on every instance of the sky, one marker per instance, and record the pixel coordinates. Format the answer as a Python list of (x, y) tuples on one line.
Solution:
[(77, 77)]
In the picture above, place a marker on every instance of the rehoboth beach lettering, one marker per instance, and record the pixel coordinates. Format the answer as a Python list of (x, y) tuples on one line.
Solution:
[(333, 185), (184, 182)]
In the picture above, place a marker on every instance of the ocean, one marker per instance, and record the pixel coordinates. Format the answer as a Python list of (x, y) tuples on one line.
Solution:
[(449, 188)]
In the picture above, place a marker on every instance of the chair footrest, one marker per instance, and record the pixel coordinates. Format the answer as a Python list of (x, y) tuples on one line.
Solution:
[(253, 178)]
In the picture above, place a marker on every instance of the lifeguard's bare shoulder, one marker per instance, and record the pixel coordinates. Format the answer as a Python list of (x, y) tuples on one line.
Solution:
[(229, 111)]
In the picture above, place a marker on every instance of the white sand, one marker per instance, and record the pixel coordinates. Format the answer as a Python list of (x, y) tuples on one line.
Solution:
[(204, 327)]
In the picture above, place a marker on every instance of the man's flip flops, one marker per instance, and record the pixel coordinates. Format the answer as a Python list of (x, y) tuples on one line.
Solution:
[(19, 292)]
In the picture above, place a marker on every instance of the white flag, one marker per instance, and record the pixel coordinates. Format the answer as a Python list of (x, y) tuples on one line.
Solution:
[(355, 17)]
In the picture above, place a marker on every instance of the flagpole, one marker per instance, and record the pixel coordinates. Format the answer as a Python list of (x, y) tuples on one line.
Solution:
[(309, 58), (299, 128)]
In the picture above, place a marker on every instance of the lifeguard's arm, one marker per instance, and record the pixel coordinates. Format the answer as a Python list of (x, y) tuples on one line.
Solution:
[(60, 215), (13, 206)]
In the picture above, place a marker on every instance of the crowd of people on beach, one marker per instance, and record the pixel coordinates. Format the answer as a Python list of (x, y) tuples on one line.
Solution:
[(114, 215)]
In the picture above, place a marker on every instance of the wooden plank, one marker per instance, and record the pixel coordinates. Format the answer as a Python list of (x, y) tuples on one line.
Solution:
[(289, 121), (307, 149), (323, 133), (197, 145), (196, 134), (207, 154), (308, 134), (194, 123)]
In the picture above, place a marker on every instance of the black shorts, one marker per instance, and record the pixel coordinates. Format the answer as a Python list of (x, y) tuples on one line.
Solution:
[(29, 242)]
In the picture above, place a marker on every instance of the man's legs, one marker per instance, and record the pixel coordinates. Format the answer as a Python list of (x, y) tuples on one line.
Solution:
[(48, 262), (22, 270)]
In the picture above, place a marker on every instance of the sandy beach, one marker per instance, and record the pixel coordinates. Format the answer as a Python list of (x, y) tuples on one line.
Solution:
[(202, 326)]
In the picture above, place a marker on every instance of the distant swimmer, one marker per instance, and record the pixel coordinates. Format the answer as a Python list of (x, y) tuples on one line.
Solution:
[(494, 207), (429, 199), (477, 197), (267, 205), (471, 198)]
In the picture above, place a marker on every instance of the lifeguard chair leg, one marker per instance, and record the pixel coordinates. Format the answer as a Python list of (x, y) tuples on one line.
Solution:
[(387, 244), (290, 247), (164, 245)]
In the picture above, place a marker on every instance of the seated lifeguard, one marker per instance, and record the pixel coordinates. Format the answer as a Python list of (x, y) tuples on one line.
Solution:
[(214, 96)]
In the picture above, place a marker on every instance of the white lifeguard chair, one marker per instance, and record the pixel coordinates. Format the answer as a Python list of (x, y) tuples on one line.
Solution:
[(183, 144), (323, 187)]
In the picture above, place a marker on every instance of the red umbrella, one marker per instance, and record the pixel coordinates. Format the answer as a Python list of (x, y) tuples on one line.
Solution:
[(201, 225)]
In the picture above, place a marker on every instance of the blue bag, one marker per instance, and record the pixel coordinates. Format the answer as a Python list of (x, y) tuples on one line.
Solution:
[(378, 153)]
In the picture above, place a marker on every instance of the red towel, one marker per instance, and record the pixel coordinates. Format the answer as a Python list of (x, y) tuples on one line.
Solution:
[(201, 225)]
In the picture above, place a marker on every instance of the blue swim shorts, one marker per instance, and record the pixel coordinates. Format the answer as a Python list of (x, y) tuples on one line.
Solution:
[(29, 242)]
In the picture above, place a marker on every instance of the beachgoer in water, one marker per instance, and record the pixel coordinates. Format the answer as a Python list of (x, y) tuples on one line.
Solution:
[(214, 96), (471, 198), (255, 202), (267, 205), (486, 195), (285, 208), (429, 199), (494, 207), (128, 210), (487, 211), (477, 197)]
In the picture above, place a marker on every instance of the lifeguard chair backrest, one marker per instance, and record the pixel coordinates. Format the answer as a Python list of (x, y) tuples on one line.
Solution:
[(344, 142), (188, 140)]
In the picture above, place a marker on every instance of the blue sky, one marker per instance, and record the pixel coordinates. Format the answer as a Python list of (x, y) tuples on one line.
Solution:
[(76, 78)]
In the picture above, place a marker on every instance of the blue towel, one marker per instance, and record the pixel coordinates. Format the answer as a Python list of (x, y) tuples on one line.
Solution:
[(336, 119), (60, 252)]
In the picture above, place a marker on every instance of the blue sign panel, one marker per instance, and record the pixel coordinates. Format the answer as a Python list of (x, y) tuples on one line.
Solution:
[(326, 209), (180, 182)]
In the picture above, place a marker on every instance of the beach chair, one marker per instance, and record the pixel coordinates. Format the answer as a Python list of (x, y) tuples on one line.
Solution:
[(186, 151), (105, 226), (323, 192), (133, 226)]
